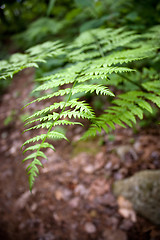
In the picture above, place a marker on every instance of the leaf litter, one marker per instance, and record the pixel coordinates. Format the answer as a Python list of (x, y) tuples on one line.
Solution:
[(72, 198)]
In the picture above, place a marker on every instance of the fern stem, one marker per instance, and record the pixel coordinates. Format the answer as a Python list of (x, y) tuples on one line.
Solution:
[(129, 80), (99, 46)]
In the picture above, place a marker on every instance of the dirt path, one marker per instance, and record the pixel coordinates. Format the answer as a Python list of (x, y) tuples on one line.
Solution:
[(72, 198)]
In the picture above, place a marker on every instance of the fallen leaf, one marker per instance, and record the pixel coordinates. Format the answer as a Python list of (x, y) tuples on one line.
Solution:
[(23, 199), (98, 188), (58, 195), (90, 227), (126, 209), (80, 189), (74, 202), (89, 169)]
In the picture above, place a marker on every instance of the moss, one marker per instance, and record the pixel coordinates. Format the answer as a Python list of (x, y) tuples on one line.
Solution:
[(90, 146)]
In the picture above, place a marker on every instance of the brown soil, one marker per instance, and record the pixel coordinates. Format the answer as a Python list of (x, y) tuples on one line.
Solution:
[(72, 198)]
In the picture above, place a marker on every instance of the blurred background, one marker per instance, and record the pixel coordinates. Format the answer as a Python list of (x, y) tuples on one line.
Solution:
[(72, 199)]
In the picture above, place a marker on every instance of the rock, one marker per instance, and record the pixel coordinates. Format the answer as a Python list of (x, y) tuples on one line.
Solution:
[(90, 227), (123, 150), (143, 191)]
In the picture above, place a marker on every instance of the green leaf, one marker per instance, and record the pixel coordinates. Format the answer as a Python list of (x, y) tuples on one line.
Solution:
[(145, 105), (50, 6), (37, 146), (56, 135), (35, 155)]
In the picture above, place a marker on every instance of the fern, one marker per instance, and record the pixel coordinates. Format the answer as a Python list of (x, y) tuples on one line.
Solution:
[(95, 59), (35, 147), (34, 55), (126, 108)]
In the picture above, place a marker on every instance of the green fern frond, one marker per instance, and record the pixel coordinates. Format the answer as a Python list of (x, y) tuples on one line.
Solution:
[(47, 109), (56, 135), (51, 135), (153, 86), (92, 65), (93, 60), (78, 89), (46, 49), (77, 114), (80, 107), (34, 139), (33, 171), (34, 55), (66, 122), (47, 96), (124, 110), (46, 125), (91, 88), (36, 147), (56, 81), (153, 98), (35, 154), (67, 113), (135, 96), (49, 117), (49, 124)]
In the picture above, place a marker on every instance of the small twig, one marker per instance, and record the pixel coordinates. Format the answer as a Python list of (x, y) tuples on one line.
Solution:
[(135, 83)]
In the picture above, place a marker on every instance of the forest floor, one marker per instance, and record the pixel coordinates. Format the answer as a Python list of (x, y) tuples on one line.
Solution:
[(72, 199)]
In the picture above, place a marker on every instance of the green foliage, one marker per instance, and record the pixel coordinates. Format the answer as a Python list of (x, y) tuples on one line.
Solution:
[(38, 31), (96, 61), (34, 55)]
